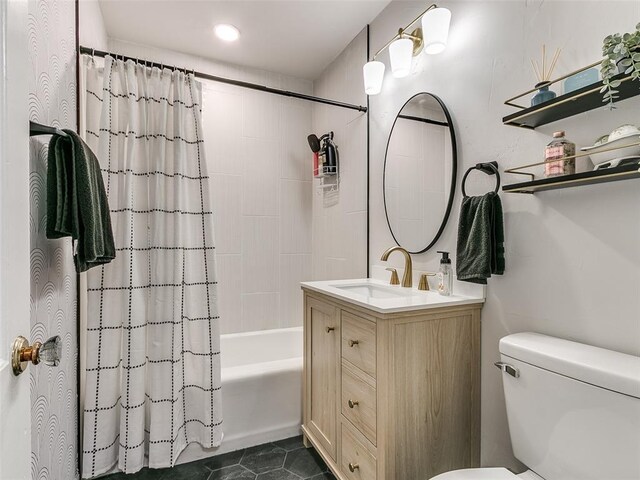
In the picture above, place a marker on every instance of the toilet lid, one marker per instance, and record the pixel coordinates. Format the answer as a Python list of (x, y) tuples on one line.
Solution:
[(478, 474)]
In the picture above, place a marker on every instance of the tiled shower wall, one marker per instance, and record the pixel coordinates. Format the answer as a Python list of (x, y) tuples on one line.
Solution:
[(52, 101), (260, 168), (340, 223)]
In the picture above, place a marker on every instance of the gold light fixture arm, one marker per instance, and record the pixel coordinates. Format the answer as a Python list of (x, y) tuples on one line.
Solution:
[(415, 35)]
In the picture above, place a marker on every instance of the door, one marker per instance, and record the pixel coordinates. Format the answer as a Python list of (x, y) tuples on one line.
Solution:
[(322, 340), (15, 421)]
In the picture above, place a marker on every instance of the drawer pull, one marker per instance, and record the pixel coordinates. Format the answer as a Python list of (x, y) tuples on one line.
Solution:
[(353, 403), (330, 329), (353, 342), (353, 467)]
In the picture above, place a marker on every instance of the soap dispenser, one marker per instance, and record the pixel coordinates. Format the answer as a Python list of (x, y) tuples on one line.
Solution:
[(445, 275)]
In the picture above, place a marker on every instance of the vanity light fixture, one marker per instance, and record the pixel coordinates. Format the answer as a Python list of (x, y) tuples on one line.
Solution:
[(226, 32), (432, 37), (400, 56)]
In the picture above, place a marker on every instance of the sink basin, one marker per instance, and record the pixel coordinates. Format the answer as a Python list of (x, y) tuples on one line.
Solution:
[(370, 290), (381, 297)]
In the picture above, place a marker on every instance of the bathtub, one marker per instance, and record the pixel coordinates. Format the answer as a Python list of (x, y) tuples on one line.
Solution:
[(261, 390)]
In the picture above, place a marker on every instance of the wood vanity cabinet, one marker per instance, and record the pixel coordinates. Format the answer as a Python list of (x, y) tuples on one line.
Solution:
[(391, 396)]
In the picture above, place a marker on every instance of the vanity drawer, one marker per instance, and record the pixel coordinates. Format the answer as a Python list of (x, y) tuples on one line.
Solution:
[(356, 461), (359, 342), (359, 403)]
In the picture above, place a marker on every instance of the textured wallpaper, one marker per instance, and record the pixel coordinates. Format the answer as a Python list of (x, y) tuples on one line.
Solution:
[(52, 101)]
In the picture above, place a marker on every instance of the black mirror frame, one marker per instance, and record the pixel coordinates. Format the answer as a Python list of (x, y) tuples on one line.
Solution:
[(454, 173)]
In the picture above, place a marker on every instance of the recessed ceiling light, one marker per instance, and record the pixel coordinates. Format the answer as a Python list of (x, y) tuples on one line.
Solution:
[(226, 32)]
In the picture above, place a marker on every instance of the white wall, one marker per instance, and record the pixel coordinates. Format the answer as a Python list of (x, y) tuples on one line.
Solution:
[(92, 29), (573, 262), (52, 101), (340, 223), (260, 169)]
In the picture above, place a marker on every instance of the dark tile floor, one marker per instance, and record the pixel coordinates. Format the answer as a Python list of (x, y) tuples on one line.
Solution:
[(282, 460)]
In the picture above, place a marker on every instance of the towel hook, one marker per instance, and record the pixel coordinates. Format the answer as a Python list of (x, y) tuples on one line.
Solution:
[(490, 168)]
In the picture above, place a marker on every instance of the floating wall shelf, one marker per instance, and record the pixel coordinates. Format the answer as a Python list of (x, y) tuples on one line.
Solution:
[(584, 178), (573, 103), (567, 105)]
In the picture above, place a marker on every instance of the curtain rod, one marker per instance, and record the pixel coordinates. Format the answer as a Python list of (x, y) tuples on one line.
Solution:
[(237, 83)]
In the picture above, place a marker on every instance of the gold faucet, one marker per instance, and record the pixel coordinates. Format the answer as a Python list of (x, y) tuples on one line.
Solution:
[(408, 270)]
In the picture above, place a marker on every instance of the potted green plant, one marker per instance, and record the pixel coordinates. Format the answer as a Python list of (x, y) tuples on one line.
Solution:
[(621, 54)]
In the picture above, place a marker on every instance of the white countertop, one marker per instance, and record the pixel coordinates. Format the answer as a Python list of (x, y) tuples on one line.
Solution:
[(381, 297)]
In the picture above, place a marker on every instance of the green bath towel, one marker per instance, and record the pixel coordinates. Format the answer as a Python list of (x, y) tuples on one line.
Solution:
[(480, 251), (77, 203)]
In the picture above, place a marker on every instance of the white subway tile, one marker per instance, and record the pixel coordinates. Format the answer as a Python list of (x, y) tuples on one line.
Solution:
[(229, 275), (226, 196), (260, 251), (293, 270), (260, 311), (295, 216), (261, 177)]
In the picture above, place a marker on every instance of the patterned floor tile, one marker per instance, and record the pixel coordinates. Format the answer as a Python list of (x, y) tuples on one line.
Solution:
[(224, 460), (305, 462), (289, 444), (282, 460), (324, 476), (235, 472), (263, 458), (280, 474)]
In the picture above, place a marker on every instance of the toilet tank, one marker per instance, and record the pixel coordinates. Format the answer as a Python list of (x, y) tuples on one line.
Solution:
[(573, 409)]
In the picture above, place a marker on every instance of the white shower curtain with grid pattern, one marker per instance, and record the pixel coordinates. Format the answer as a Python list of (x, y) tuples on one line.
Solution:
[(152, 335)]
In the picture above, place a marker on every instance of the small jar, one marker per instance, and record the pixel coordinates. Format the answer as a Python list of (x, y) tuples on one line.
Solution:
[(560, 147)]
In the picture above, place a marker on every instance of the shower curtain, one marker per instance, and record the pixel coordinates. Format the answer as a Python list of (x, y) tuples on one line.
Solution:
[(152, 336)]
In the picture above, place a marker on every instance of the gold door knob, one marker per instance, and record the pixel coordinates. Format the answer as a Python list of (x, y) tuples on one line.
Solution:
[(353, 403), (353, 342), (330, 329), (22, 353), (353, 467)]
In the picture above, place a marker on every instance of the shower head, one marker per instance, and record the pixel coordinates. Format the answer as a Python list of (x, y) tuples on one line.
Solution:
[(314, 143)]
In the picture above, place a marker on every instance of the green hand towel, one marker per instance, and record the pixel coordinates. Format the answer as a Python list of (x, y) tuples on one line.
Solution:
[(480, 251), (77, 203)]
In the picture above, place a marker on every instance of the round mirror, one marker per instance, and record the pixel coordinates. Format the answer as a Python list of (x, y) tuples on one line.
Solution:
[(420, 173)]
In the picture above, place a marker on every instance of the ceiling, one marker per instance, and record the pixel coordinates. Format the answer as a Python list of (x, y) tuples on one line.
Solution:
[(295, 37)]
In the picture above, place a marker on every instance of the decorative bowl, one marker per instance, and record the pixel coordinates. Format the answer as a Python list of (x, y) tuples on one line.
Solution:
[(610, 149)]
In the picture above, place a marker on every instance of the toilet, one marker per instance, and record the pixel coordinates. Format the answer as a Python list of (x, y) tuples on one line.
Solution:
[(573, 411)]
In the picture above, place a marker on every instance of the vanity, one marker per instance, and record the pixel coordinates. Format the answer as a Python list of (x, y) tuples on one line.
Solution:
[(391, 379), (392, 372)]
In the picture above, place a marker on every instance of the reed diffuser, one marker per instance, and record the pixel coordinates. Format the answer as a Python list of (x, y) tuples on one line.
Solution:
[(543, 73)]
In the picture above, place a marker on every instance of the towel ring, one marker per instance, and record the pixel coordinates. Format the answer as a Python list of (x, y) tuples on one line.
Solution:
[(490, 168)]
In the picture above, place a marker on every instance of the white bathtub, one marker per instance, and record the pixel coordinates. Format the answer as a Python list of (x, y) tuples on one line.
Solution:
[(261, 390)]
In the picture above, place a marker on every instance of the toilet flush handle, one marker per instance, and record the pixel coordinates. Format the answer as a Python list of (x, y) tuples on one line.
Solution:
[(510, 369)]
